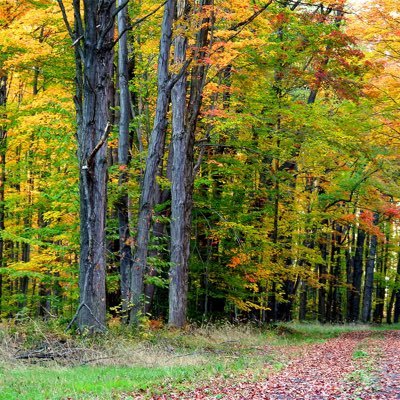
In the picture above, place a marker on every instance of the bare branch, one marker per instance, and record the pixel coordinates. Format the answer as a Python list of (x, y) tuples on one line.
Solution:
[(353, 190), (241, 25), (137, 22), (99, 144), (65, 19), (295, 5), (78, 18), (119, 8), (110, 24), (251, 18), (196, 168), (81, 305), (175, 78), (77, 41), (74, 318)]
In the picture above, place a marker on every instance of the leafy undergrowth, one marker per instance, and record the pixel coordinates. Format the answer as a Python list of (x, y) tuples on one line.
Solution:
[(41, 363)]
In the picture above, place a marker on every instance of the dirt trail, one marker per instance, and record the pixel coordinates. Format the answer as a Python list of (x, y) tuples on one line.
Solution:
[(357, 365), (389, 375)]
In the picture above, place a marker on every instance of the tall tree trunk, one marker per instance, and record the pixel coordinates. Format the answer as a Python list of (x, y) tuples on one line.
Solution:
[(349, 276), (180, 225), (390, 304), (369, 276), (93, 37), (124, 147), (357, 276), (337, 306), (154, 156), (159, 230), (381, 282), (396, 315), (322, 273), (396, 294), (3, 150), (184, 122), (334, 298), (303, 301)]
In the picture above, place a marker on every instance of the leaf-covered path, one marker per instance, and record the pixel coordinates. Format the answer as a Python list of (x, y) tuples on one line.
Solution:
[(357, 365)]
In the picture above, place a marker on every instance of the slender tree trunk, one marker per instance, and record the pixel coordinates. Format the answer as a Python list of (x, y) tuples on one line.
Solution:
[(180, 192), (396, 293), (369, 276), (337, 307), (322, 272), (154, 156), (357, 276), (396, 316), (159, 230), (390, 304), (27, 220), (3, 150), (303, 301), (333, 304), (349, 277), (380, 282), (184, 122), (124, 147)]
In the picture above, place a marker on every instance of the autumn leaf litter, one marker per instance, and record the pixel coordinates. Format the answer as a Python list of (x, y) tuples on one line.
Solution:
[(357, 365)]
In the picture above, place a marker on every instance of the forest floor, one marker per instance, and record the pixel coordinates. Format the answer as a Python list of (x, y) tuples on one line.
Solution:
[(286, 361), (357, 365)]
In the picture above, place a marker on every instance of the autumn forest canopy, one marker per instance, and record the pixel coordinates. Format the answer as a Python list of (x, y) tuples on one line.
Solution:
[(196, 160)]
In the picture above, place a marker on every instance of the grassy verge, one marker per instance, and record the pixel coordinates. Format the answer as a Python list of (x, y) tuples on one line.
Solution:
[(86, 382), (108, 366)]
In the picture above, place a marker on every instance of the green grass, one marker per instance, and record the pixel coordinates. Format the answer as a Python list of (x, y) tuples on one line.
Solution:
[(108, 382), (164, 360), (302, 333), (38, 383), (360, 354)]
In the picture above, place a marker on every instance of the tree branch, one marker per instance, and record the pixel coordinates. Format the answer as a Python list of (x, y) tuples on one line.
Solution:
[(241, 25), (110, 24), (65, 19), (77, 41), (98, 145), (78, 18), (251, 18), (137, 22), (175, 78), (352, 192)]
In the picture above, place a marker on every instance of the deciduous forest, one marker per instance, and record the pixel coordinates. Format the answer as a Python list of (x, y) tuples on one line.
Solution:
[(199, 160)]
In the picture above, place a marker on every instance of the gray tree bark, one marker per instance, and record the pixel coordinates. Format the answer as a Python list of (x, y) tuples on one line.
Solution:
[(154, 156), (93, 38), (184, 120), (124, 147), (180, 226), (3, 150)]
